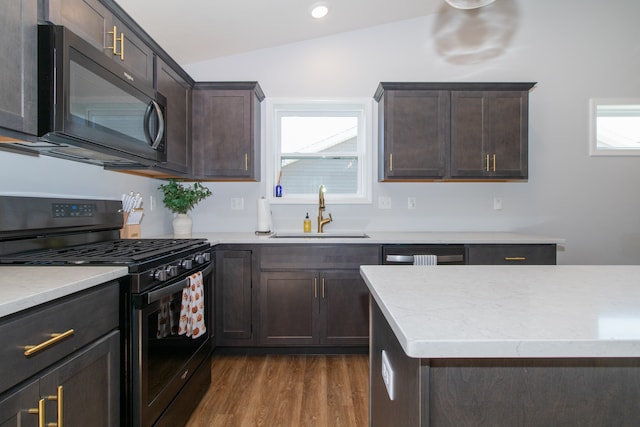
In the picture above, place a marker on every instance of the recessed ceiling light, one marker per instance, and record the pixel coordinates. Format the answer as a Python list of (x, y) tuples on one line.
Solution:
[(469, 4), (319, 10)]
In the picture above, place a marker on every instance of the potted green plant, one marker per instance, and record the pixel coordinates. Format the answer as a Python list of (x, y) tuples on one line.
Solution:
[(180, 199)]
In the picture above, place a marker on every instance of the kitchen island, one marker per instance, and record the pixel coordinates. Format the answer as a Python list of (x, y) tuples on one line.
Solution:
[(502, 345)]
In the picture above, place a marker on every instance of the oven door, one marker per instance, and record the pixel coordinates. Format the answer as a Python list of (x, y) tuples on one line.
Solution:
[(163, 360)]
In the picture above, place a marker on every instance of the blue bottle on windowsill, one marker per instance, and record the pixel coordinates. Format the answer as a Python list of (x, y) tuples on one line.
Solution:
[(278, 190)]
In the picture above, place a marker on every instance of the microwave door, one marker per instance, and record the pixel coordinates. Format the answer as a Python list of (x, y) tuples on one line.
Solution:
[(105, 110)]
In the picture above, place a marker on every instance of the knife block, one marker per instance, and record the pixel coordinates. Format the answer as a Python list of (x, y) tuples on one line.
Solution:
[(129, 231)]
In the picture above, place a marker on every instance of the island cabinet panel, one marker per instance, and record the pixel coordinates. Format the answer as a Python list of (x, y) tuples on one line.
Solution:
[(233, 296), (226, 131), (405, 407), (534, 254), (534, 392), (18, 68)]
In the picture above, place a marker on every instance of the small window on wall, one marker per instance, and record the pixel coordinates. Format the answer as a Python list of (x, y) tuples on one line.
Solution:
[(320, 143), (615, 127)]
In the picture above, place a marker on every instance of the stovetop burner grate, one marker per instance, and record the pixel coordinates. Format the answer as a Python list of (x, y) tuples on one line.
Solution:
[(111, 252)]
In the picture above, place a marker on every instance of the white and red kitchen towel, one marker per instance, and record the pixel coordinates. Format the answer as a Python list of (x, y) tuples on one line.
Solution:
[(192, 308)]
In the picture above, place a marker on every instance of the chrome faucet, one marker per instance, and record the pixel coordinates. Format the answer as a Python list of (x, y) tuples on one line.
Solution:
[(322, 221)]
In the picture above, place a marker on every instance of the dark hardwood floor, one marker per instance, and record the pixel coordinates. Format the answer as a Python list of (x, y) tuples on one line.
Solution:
[(286, 390)]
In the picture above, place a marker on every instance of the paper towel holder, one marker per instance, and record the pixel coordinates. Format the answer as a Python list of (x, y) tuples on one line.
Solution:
[(264, 222)]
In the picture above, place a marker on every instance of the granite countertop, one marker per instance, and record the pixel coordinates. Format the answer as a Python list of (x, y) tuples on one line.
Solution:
[(25, 287), (381, 237), (510, 311)]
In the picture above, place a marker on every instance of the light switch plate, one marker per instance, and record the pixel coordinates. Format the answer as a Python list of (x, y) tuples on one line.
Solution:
[(384, 202), (237, 203)]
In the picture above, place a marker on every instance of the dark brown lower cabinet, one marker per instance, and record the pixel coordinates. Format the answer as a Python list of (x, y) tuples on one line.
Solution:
[(307, 308), (514, 254), (86, 384), (233, 296)]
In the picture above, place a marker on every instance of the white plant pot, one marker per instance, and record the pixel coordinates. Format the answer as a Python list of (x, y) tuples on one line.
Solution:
[(182, 225)]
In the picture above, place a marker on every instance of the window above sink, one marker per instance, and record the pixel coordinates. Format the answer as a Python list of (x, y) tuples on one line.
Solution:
[(319, 142)]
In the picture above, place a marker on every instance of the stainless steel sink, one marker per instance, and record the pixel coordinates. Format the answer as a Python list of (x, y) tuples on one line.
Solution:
[(334, 235)]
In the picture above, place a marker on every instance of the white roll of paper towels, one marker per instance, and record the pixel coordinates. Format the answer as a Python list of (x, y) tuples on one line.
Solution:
[(264, 216)]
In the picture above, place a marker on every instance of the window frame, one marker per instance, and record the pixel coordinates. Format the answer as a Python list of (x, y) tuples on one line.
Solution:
[(276, 106), (594, 103)]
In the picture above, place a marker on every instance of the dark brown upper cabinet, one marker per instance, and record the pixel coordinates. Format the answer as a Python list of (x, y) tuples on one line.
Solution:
[(226, 131), (453, 131), (98, 25), (18, 68)]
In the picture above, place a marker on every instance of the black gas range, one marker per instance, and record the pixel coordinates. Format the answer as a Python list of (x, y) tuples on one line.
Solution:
[(42, 231)]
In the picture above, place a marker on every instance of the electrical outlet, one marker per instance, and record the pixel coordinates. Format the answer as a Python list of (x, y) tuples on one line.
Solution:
[(387, 375), (152, 203), (411, 203), (237, 203), (384, 202), (497, 203)]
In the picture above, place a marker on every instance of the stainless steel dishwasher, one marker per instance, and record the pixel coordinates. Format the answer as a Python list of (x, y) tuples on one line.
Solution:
[(403, 254)]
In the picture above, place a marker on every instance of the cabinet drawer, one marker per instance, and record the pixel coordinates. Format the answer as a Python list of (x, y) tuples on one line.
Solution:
[(512, 254), (303, 257), (90, 314)]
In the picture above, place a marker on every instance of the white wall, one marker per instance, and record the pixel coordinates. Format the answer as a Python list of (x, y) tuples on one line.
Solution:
[(574, 49), (51, 177)]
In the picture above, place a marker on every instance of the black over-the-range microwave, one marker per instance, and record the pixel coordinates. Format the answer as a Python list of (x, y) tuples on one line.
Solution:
[(91, 109)]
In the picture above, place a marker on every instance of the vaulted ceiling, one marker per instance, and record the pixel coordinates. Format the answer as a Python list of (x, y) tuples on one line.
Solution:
[(196, 30)]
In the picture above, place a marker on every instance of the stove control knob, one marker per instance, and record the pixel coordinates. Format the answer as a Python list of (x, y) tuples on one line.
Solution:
[(203, 257), (172, 270), (165, 273), (186, 263), (160, 275)]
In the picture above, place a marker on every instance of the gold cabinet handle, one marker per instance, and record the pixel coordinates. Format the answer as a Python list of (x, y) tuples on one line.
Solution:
[(116, 39), (323, 288), (315, 288), (121, 46), (113, 46), (391, 162), (487, 163), (494, 162), (515, 258), (30, 350), (58, 399), (39, 411), (246, 162)]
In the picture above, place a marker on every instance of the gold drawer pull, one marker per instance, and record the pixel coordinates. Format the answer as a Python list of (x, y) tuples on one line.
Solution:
[(30, 350), (515, 258)]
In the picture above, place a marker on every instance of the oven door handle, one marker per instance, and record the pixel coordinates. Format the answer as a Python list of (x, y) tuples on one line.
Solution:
[(157, 295)]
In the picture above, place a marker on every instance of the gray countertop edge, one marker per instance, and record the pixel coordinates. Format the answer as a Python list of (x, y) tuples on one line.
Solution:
[(386, 237), (24, 287)]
